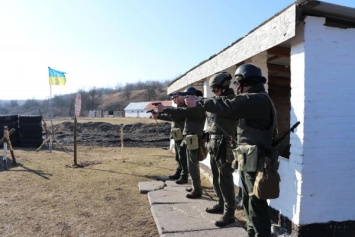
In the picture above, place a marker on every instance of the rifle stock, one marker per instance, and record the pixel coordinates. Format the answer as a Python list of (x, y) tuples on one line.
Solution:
[(278, 140)]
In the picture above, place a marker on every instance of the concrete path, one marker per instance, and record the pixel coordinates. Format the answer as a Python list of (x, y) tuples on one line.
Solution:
[(177, 216)]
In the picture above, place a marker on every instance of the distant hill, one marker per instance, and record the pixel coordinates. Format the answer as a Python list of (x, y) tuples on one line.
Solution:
[(94, 99), (4, 102)]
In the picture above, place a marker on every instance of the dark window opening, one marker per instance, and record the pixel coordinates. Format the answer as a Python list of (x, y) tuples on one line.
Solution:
[(279, 88)]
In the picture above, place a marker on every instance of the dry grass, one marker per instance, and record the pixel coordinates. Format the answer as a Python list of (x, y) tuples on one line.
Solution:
[(44, 196)]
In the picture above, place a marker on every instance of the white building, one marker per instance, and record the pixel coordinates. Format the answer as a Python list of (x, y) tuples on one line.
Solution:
[(307, 52), (137, 110)]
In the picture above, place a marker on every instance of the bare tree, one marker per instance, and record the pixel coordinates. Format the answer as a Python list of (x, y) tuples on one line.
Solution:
[(128, 90), (95, 98), (14, 103), (151, 94)]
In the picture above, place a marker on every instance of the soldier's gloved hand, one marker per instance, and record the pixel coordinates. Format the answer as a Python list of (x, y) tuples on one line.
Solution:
[(160, 108), (190, 101)]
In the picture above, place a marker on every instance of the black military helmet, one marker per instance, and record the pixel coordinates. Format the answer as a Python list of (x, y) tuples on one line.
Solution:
[(198, 93), (249, 74), (173, 94), (190, 90), (221, 79)]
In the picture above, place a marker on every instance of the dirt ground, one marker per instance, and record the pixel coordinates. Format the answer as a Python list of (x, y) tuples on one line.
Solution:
[(143, 133), (45, 196)]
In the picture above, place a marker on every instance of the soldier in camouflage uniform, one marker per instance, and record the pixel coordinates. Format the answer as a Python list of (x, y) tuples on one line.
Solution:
[(256, 128), (222, 131), (194, 124)]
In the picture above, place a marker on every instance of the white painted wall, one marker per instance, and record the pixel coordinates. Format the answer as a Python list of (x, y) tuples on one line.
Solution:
[(137, 114), (290, 169), (329, 138), (317, 181)]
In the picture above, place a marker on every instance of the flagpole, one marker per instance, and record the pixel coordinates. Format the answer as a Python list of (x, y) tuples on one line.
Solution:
[(51, 115), (55, 78)]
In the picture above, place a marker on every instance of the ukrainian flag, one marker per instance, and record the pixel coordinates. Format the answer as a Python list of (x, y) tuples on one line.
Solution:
[(56, 77)]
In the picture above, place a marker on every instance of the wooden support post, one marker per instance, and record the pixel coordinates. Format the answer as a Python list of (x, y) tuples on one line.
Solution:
[(122, 126), (51, 139), (10, 133), (7, 144), (75, 144), (4, 158)]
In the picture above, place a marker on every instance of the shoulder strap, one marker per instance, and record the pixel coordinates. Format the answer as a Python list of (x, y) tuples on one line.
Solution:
[(275, 132)]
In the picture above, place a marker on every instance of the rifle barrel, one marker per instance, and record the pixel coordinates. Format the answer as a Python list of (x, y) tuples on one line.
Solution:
[(292, 129)]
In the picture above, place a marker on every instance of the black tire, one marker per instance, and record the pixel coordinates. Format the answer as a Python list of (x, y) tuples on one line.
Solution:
[(30, 124), (8, 118), (12, 124), (14, 140), (30, 142), (37, 135), (29, 118), (30, 130)]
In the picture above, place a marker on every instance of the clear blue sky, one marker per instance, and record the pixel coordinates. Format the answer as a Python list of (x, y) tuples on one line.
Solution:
[(105, 43)]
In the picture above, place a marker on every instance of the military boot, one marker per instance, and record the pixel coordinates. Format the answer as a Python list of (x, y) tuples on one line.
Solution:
[(227, 218), (182, 180), (216, 209), (189, 189), (176, 175), (194, 195)]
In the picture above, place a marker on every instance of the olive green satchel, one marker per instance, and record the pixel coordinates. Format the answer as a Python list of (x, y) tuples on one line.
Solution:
[(267, 180)]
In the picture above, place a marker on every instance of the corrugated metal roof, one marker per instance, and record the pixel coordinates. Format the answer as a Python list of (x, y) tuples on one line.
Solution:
[(136, 106)]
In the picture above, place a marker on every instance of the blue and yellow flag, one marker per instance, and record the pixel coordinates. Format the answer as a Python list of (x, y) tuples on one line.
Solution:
[(56, 77)]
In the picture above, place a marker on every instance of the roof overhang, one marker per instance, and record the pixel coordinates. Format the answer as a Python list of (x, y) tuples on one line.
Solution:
[(277, 31)]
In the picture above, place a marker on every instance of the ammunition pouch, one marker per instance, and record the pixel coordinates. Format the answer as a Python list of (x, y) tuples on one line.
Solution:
[(267, 180), (247, 157), (176, 134), (202, 150), (191, 142)]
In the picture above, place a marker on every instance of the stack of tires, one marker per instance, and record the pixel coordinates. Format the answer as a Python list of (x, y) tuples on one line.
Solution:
[(11, 121), (30, 131)]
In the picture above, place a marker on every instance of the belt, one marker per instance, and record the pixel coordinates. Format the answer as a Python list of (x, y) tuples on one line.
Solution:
[(216, 136)]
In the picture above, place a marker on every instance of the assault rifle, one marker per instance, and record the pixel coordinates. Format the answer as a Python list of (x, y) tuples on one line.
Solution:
[(276, 142)]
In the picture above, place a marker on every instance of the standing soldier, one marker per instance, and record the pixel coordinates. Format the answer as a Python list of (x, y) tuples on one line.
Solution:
[(177, 128), (222, 133), (255, 131), (194, 123)]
